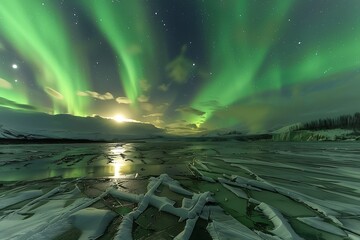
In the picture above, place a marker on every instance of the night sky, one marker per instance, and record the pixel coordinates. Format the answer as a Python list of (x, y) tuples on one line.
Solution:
[(183, 65)]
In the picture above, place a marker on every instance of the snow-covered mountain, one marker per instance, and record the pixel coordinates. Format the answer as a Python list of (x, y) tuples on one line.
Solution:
[(11, 134), (286, 134), (16, 124)]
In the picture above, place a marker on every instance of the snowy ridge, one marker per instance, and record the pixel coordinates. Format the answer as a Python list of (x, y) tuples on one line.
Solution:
[(13, 134)]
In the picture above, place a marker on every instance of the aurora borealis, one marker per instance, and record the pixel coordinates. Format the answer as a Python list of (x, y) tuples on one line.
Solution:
[(185, 66)]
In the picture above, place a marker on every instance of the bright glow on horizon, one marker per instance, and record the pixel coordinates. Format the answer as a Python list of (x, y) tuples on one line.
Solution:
[(120, 118)]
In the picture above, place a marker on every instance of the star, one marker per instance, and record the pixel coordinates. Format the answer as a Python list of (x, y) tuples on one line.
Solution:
[(299, 43), (14, 66)]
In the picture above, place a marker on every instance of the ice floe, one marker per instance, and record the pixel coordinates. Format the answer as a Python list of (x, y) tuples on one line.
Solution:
[(319, 223), (92, 222), (46, 216), (11, 199), (282, 228), (224, 226)]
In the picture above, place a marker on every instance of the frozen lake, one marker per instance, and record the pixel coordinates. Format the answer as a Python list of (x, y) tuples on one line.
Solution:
[(312, 189)]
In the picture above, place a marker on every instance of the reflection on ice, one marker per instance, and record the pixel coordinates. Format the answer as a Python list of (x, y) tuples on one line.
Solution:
[(118, 150), (117, 159), (117, 168)]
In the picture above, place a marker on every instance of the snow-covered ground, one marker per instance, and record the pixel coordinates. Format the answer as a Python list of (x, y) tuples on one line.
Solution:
[(210, 190)]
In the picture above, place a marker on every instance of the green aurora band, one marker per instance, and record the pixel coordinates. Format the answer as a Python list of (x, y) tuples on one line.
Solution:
[(45, 43), (241, 62), (242, 45), (252, 47), (127, 30)]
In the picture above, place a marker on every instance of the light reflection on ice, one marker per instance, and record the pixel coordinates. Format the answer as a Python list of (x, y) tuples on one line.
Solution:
[(118, 150), (116, 168), (118, 160)]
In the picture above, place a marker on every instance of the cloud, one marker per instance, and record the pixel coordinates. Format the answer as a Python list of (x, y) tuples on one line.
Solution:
[(123, 100), (145, 85), (147, 107), (158, 122), (12, 104), (154, 115), (180, 68), (185, 109), (192, 126), (106, 96), (162, 107), (53, 93), (164, 87), (5, 84), (143, 99)]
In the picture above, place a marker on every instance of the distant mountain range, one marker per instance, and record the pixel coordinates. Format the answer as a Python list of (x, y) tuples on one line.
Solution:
[(27, 125)]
